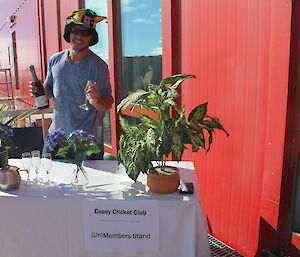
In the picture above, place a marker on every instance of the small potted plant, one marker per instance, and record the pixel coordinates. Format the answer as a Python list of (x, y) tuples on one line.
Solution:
[(9, 176), (154, 140), (6, 131), (74, 148)]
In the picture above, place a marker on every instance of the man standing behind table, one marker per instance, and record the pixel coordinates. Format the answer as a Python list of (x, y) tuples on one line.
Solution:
[(76, 74)]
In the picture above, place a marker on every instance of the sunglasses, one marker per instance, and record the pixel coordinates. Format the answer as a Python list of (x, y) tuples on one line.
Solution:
[(83, 32)]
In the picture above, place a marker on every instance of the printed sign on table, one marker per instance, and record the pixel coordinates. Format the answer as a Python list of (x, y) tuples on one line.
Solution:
[(121, 225)]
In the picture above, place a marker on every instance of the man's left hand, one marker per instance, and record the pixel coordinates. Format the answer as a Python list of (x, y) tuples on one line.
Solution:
[(93, 93)]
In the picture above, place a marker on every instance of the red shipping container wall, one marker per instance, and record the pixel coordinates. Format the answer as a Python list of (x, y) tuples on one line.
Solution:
[(25, 30), (239, 51)]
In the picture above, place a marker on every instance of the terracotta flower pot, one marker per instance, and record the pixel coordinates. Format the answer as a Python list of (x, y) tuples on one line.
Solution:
[(166, 182)]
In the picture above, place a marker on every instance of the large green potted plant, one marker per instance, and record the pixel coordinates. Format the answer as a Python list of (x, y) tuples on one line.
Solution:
[(154, 140)]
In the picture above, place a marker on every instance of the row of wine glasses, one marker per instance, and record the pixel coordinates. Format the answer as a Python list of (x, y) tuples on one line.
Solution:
[(36, 161)]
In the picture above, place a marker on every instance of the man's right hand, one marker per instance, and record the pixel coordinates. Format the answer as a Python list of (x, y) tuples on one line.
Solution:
[(32, 88)]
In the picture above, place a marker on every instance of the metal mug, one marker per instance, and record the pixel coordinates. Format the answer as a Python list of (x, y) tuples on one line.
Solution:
[(10, 178)]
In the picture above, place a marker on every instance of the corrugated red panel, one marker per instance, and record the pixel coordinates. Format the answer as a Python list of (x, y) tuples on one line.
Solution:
[(239, 51), (51, 26), (66, 9), (26, 34)]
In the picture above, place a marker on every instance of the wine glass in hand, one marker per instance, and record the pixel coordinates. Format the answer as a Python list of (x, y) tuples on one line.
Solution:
[(84, 106), (47, 165)]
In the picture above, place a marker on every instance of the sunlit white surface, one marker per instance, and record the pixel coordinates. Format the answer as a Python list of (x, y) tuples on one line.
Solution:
[(48, 221)]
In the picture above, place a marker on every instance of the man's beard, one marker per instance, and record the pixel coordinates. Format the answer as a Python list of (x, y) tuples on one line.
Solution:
[(79, 50)]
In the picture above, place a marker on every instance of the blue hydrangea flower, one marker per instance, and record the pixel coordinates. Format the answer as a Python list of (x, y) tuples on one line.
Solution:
[(79, 132), (75, 147), (91, 138), (55, 138), (79, 136), (5, 131)]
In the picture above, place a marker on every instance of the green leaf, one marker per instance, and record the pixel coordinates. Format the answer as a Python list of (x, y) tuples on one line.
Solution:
[(151, 101), (215, 123), (3, 112), (151, 140), (198, 113), (79, 157), (210, 123), (177, 79), (63, 151), (133, 99), (164, 148), (5, 117), (181, 116), (208, 128), (153, 88), (148, 122), (172, 93), (21, 116), (169, 102), (92, 151), (127, 129), (124, 124), (177, 146), (181, 80), (132, 171), (135, 152), (210, 139), (197, 142), (194, 127)]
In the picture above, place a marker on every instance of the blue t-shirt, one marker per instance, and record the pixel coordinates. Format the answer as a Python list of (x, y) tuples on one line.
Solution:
[(69, 81)]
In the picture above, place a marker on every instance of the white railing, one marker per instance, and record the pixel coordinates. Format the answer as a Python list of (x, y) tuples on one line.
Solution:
[(39, 114)]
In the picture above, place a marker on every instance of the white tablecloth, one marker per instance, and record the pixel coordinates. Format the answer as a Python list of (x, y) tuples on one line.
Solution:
[(37, 221)]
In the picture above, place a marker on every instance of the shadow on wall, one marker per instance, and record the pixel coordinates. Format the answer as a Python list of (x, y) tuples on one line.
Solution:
[(267, 244), (296, 201)]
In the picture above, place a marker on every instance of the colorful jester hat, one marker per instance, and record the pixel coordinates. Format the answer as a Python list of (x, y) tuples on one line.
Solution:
[(86, 18)]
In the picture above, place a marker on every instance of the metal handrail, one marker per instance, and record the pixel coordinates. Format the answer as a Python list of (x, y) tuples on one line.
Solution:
[(7, 77)]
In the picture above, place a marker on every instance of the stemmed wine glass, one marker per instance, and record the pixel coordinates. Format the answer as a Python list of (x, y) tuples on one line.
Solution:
[(84, 106), (47, 165), (36, 164), (26, 162)]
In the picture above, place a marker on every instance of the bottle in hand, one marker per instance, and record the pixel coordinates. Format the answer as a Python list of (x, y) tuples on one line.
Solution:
[(40, 98)]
